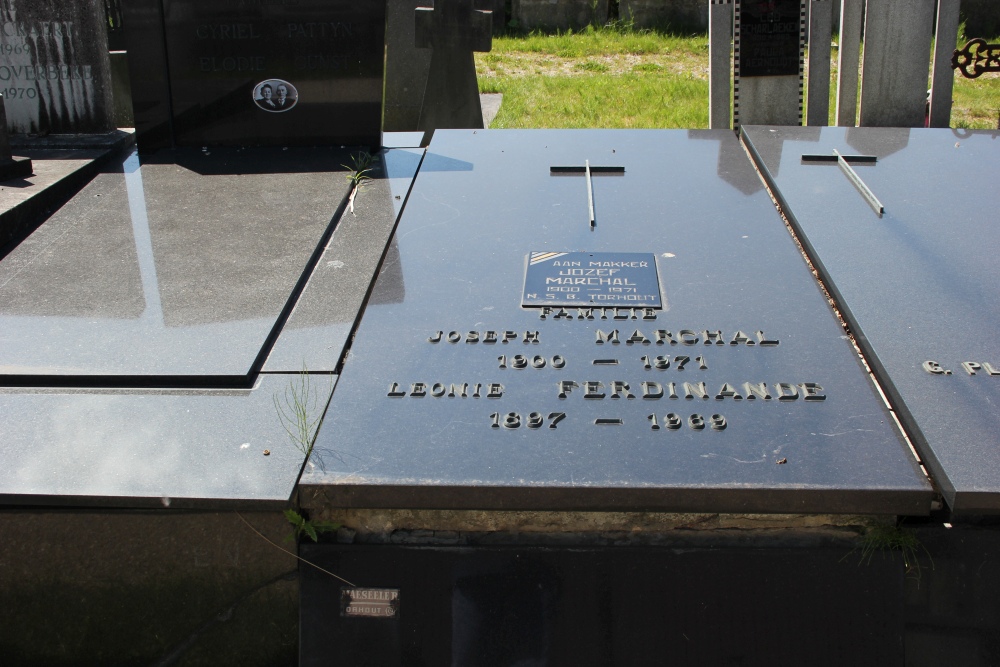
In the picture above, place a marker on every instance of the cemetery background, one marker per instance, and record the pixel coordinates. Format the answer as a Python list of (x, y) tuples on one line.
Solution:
[(628, 77), (228, 594)]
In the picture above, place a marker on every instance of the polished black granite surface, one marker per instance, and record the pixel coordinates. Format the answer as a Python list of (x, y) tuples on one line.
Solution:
[(181, 264), (918, 285), (288, 73), (314, 336), (147, 448), (434, 410), (135, 321)]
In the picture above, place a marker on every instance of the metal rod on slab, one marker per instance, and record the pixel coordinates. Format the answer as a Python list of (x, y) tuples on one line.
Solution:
[(590, 193), (859, 184)]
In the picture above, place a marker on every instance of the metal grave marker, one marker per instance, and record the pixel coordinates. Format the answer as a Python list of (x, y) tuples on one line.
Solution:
[(917, 286), (735, 392), (591, 279)]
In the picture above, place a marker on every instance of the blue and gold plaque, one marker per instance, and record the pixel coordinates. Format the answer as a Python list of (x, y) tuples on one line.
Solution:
[(593, 279)]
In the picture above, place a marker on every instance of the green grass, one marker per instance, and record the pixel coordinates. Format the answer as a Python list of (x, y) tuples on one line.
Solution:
[(601, 100), (620, 78)]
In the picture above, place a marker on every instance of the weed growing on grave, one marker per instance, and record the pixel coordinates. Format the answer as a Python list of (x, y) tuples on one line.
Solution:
[(890, 540), (304, 526), (300, 411), (362, 164)]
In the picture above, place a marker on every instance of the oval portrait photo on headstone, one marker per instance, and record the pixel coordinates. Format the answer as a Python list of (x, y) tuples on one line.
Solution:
[(275, 95)]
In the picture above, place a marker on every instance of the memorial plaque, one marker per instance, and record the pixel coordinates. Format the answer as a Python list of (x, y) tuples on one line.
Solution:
[(591, 279), (740, 393), (263, 73), (917, 284), (769, 38)]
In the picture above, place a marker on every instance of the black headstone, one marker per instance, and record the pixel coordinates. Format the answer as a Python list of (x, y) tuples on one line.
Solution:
[(917, 284), (305, 73), (739, 392)]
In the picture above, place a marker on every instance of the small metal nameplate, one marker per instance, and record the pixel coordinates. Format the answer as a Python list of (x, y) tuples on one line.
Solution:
[(369, 602), (614, 279)]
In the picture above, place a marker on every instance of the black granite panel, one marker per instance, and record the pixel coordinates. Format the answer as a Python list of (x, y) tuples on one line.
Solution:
[(154, 448), (148, 76), (434, 410), (327, 311), (918, 285), (266, 73), (604, 606), (177, 267)]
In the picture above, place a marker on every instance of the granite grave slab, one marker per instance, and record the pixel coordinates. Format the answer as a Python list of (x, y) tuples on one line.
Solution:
[(327, 311), (149, 448), (183, 267), (917, 284), (739, 393)]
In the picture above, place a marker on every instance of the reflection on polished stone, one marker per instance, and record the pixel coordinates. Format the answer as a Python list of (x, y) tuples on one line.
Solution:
[(147, 448), (175, 267), (918, 285)]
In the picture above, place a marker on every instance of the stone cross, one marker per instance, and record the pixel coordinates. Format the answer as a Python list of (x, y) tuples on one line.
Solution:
[(10, 167), (453, 29)]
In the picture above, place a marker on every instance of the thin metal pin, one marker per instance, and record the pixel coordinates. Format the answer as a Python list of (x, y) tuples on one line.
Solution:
[(590, 193), (859, 184)]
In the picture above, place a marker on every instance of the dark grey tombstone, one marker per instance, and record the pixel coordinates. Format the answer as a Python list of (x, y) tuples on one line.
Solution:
[(453, 29), (917, 284), (291, 74), (54, 68), (406, 68), (740, 393), (10, 166)]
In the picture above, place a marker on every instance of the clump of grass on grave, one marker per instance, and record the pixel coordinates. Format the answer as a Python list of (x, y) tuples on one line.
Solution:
[(299, 411), (360, 170), (892, 541)]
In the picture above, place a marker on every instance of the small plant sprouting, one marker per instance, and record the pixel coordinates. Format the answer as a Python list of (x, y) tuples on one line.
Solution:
[(303, 526), (891, 539), (360, 169), (299, 411)]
